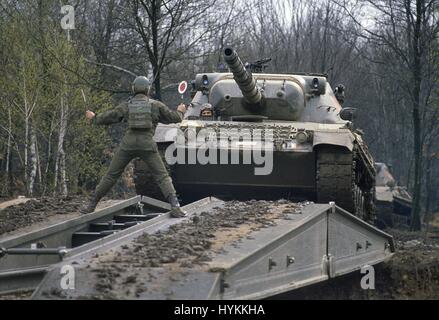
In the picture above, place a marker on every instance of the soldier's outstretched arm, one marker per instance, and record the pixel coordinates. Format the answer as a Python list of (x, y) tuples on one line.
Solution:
[(170, 116), (112, 116)]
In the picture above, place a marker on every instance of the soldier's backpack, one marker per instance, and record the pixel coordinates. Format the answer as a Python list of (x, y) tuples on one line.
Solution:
[(139, 113)]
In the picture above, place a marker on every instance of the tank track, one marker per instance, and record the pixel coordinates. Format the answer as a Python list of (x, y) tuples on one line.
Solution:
[(342, 177)]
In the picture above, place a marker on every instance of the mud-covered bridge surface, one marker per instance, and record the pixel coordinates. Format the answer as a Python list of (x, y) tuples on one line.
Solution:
[(37, 212), (34, 214), (413, 272), (153, 261)]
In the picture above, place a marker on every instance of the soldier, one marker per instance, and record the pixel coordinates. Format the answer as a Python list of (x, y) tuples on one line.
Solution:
[(142, 115), (340, 93)]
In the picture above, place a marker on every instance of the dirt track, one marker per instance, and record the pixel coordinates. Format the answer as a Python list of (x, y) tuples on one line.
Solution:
[(40, 213), (37, 211), (13, 202)]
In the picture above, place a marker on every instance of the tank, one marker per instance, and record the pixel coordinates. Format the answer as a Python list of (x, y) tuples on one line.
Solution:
[(260, 135), (393, 202)]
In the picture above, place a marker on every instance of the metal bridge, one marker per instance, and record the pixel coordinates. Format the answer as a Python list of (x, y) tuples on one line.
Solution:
[(322, 242)]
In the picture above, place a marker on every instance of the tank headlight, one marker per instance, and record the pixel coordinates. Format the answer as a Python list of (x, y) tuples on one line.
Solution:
[(315, 83), (205, 80), (302, 137)]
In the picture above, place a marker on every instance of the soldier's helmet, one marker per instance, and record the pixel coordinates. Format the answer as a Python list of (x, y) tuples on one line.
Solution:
[(140, 85)]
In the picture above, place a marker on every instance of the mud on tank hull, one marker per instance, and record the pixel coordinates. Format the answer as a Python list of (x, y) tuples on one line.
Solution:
[(334, 165)]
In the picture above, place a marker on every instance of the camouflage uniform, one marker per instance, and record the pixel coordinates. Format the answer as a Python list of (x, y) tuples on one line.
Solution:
[(138, 143)]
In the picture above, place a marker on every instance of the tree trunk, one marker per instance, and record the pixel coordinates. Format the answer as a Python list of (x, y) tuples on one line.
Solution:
[(26, 137), (8, 186), (33, 161), (157, 85), (417, 79), (49, 157), (39, 172), (155, 34), (60, 166), (428, 191)]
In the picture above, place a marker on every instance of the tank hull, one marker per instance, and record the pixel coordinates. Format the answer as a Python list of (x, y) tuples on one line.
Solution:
[(332, 165), (292, 176)]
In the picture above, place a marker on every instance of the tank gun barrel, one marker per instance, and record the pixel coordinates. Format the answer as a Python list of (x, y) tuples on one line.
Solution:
[(244, 79)]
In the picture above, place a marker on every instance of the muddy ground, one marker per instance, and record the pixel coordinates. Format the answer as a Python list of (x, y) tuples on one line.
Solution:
[(37, 211), (412, 273), (35, 214)]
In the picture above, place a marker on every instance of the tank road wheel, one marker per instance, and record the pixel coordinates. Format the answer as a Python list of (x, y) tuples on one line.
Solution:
[(143, 179), (336, 179)]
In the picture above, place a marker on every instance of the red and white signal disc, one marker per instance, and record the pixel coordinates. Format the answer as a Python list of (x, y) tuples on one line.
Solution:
[(182, 87)]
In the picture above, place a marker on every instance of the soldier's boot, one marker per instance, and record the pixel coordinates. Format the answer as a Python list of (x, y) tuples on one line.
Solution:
[(90, 205), (176, 211)]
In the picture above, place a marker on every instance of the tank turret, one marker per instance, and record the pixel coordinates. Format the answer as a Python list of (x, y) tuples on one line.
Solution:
[(244, 96)]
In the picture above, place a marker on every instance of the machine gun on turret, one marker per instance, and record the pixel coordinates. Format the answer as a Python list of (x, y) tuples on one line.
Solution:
[(258, 66)]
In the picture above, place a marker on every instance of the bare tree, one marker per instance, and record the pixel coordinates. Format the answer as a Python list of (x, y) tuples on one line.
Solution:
[(407, 29), (161, 23)]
